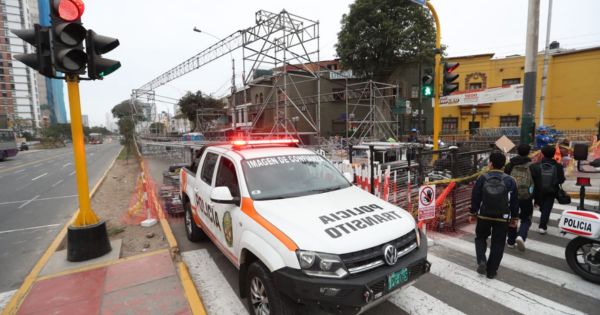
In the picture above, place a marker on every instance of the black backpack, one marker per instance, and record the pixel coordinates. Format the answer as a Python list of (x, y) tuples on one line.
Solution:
[(548, 178), (494, 197)]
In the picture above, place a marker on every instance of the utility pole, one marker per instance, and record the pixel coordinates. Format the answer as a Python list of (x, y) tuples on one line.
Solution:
[(531, 46), (437, 120), (545, 68)]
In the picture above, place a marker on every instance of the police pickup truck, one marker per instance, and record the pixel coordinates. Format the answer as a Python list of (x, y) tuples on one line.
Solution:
[(297, 229)]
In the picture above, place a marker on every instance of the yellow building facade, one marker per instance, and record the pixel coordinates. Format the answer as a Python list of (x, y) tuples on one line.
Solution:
[(572, 95)]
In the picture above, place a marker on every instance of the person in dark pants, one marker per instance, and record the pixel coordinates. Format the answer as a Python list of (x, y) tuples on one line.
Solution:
[(547, 176), (494, 202), (521, 165)]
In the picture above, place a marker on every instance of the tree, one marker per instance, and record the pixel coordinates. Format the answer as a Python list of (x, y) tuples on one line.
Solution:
[(126, 109), (191, 102), (377, 35)]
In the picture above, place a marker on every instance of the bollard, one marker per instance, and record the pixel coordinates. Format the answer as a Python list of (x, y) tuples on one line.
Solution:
[(150, 221)]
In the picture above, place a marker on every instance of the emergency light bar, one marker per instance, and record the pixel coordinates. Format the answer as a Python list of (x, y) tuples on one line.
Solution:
[(239, 143)]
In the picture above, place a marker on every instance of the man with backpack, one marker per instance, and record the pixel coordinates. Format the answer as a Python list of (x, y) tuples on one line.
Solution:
[(519, 169), (547, 176), (494, 201)]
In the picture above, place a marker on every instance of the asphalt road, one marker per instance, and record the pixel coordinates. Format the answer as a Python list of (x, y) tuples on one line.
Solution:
[(38, 195)]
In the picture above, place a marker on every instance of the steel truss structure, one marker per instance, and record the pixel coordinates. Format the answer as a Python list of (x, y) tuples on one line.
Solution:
[(378, 98), (277, 41)]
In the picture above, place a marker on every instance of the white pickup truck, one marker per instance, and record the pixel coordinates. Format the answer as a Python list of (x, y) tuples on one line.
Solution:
[(297, 229)]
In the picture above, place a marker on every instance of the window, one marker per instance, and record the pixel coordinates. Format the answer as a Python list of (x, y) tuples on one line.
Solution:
[(449, 125), (208, 168), (226, 176), (475, 86), (338, 94), (509, 121), (511, 81)]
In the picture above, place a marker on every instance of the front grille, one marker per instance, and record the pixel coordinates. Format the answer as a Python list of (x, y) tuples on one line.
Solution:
[(371, 258)]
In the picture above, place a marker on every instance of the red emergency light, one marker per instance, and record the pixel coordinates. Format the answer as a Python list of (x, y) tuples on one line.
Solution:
[(239, 143), (584, 181), (69, 10)]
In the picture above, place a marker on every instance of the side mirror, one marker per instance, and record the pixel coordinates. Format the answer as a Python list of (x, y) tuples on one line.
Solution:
[(349, 177), (222, 195)]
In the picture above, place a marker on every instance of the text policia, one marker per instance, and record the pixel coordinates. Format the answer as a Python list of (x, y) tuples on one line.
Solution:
[(350, 226)]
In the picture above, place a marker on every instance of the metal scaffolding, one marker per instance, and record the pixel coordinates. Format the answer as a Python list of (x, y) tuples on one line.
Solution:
[(377, 121), (277, 41)]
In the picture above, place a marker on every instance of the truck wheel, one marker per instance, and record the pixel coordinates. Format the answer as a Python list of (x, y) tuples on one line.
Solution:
[(192, 231), (263, 297)]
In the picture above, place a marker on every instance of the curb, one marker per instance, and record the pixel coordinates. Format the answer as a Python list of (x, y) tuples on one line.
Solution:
[(588, 195), (189, 289), (13, 305)]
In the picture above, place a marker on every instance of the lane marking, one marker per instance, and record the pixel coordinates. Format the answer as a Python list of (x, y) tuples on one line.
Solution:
[(34, 162), (40, 164), (72, 173), (5, 297), (512, 297), (530, 244), (29, 201), (551, 275), (39, 199), (66, 165), (418, 302), (218, 296), (36, 178), (30, 228), (57, 183), (19, 171)]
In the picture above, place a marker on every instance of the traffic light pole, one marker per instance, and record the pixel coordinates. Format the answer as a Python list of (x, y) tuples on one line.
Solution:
[(85, 216), (437, 120)]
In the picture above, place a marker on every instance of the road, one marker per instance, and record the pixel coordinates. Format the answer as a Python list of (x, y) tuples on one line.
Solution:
[(537, 281), (38, 195)]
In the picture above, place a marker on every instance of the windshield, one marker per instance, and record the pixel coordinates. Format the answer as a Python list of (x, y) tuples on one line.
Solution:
[(291, 176)]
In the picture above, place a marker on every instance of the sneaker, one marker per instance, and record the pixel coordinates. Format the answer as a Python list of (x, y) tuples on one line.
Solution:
[(510, 245), (520, 244), (481, 268), (491, 275), (542, 231)]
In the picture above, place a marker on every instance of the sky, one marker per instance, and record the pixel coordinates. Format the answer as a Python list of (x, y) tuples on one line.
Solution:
[(156, 35)]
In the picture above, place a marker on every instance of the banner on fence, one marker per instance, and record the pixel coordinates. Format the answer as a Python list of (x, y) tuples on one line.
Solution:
[(426, 202)]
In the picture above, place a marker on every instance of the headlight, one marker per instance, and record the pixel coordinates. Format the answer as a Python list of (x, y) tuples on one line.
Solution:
[(418, 236), (321, 264)]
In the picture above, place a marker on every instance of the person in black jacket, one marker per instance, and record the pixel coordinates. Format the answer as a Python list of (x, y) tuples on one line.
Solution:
[(542, 194), (494, 201), (525, 202)]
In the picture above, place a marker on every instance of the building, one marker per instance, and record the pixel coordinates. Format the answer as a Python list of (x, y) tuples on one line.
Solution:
[(19, 92), (85, 120), (572, 94)]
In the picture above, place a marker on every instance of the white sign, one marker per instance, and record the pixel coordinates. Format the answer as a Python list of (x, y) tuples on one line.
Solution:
[(426, 202), (494, 95)]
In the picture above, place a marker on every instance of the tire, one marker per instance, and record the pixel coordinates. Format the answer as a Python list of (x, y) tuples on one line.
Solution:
[(260, 287), (579, 268), (192, 231)]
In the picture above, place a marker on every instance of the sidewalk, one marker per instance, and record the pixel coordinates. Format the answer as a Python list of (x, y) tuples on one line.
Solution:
[(145, 284)]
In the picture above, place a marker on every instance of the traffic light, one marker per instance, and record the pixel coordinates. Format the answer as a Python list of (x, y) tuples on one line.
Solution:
[(449, 85), (41, 60), (427, 86), (95, 46), (67, 36)]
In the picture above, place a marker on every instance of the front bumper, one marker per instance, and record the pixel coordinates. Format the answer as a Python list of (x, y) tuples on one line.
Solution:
[(354, 293)]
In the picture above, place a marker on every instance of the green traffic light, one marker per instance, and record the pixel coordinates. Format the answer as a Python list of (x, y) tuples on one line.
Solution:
[(427, 91)]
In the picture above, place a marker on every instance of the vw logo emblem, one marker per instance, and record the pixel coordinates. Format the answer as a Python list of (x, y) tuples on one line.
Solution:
[(390, 254)]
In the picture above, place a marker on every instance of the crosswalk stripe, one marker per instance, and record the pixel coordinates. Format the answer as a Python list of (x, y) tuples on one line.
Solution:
[(217, 295), (553, 216), (417, 302), (5, 298), (512, 297), (530, 244), (533, 269)]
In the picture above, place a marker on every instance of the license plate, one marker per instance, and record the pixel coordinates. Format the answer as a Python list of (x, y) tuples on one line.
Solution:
[(397, 278)]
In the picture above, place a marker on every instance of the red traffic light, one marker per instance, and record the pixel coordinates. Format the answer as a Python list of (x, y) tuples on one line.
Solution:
[(450, 66), (69, 10)]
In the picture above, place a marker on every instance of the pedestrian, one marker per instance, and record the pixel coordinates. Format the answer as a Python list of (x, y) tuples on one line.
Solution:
[(519, 168), (542, 138), (547, 176), (494, 202), (413, 135)]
